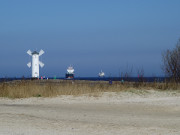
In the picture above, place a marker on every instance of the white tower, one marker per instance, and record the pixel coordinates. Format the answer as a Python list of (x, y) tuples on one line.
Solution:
[(35, 62)]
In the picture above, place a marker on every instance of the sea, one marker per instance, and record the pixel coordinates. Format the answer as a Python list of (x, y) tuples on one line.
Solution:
[(127, 79)]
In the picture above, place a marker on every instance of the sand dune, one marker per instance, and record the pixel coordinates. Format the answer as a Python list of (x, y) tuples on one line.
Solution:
[(126, 113)]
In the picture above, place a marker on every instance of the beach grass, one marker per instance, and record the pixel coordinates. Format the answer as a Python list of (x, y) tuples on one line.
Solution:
[(53, 88)]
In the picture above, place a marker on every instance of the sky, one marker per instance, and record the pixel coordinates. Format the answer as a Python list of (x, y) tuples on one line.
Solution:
[(115, 36)]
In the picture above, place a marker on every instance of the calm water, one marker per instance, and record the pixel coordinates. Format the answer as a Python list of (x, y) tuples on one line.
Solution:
[(130, 79)]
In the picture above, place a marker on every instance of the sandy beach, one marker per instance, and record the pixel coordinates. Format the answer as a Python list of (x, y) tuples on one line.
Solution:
[(146, 112)]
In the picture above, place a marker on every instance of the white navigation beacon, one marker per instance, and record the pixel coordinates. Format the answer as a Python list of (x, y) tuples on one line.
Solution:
[(35, 62)]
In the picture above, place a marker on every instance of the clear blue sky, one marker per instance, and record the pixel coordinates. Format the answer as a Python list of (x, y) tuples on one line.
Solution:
[(112, 35)]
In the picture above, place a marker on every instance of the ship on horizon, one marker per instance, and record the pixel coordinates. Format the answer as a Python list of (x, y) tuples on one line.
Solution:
[(101, 74), (70, 73)]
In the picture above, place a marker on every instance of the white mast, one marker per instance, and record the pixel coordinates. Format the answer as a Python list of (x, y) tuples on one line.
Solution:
[(35, 62)]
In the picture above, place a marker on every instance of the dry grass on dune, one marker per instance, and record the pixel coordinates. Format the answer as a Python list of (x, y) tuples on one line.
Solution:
[(51, 88)]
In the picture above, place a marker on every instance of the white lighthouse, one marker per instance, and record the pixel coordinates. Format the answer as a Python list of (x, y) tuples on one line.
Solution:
[(35, 62)]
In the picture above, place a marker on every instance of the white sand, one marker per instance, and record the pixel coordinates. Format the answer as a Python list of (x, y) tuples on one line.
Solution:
[(125, 113)]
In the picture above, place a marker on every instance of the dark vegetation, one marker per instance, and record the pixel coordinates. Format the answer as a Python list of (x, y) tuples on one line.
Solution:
[(171, 63)]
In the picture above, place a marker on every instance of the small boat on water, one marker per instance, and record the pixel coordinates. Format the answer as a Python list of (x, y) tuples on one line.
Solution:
[(101, 74), (70, 73)]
